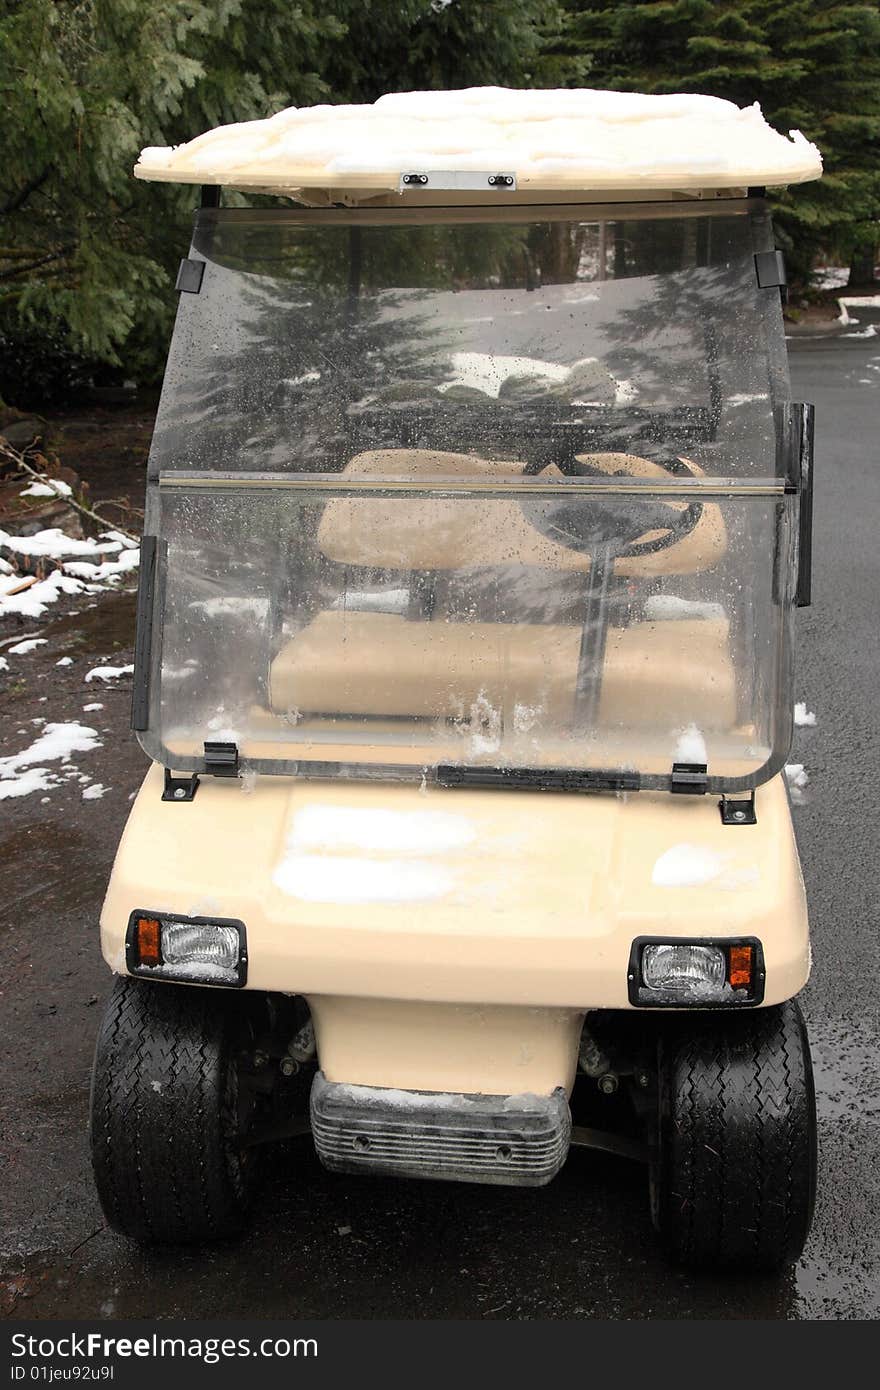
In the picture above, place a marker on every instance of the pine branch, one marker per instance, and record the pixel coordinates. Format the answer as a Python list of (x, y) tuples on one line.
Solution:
[(16, 200), (35, 265)]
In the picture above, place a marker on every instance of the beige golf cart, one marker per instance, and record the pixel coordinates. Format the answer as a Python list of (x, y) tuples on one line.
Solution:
[(477, 511)]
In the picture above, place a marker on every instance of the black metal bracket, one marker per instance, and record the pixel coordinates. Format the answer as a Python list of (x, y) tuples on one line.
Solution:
[(180, 788), (738, 812), (190, 276), (221, 759), (689, 779), (795, 432), (770, 270), (806, 421), (537, 779), (140, 693)]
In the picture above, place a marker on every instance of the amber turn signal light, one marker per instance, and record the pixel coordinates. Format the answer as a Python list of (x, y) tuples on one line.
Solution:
[(147, 941), (740, 966)]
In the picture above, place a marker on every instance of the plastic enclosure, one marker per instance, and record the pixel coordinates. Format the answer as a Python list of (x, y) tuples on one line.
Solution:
[(482, 488)]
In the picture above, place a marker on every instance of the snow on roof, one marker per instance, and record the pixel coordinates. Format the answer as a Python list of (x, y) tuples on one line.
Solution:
[(567, 139)]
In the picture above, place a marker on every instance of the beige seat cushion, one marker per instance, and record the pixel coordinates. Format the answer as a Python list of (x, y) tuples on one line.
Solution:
[(462, 533), (381, 664)]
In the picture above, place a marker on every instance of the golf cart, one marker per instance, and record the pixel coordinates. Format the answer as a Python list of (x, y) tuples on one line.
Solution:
[(477, 510)]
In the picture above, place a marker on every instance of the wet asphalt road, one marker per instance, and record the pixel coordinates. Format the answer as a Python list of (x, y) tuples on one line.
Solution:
[(324, 1246)]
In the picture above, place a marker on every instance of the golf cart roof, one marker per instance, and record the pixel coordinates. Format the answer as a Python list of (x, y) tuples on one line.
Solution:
[(485, 144)]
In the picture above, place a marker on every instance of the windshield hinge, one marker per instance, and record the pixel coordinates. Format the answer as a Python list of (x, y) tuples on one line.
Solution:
[(770, 272), (738, 812), (180, 788), (690, 779), (190, 276), (221, 759)]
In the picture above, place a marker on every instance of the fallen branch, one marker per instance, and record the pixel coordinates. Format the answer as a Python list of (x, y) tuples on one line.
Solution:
[(17, 457)]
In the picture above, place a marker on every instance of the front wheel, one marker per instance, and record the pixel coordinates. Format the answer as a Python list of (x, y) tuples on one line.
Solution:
[(734, 1178), (166, 1120)]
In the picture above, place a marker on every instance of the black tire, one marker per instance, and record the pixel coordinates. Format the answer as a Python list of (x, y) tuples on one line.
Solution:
[(166, 1152), (734, 1180)]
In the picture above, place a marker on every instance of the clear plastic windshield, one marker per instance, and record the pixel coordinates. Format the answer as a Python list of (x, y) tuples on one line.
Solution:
[(473, 495)]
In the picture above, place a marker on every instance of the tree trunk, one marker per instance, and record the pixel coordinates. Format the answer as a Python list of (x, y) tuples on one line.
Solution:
[(861, 266)]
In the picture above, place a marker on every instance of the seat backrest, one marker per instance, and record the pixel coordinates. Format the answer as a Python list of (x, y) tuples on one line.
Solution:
[(438, 534)]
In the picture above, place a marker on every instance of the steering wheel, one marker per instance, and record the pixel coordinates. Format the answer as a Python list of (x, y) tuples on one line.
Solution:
[(585, 524)]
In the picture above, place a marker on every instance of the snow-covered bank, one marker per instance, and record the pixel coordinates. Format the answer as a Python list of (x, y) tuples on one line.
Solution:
[(83, 566)]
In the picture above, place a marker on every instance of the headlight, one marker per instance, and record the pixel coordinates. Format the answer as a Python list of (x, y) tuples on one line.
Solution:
[(707, 974), (687, 970), (196, 950)]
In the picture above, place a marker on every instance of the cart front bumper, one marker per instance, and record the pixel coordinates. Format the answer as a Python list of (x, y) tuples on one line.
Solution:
[(515, 1141)]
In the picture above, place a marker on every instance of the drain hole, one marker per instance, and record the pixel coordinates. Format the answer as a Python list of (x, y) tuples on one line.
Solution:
[(503, 1152), (361, 1142)]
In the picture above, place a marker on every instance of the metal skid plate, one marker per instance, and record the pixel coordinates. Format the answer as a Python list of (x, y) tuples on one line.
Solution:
[(517, 1141)]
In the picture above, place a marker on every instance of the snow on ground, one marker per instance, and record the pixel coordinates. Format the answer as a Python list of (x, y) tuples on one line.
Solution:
[(108, 673), (87, 709), (33, 601), (549, 139), (803, 716), (4, 664), (26, 772), (84, 569), (54, 544), (831, 277), (798, 779), (65, 661), (29, 645), (849, 301), (94, 792), (56, 488), (104, 561)]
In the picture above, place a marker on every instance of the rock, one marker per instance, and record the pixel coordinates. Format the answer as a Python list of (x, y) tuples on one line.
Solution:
[(23, 432)]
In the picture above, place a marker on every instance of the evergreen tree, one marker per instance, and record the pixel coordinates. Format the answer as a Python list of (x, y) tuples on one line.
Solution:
[(444, 44), (86, 251), (812, 66)]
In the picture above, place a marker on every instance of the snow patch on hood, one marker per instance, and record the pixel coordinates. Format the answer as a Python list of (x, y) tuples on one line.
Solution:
[(693, 866), (334, 878), (331, 828), (344, 854)]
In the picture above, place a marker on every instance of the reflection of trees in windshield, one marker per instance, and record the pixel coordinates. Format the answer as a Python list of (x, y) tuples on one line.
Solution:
[(308, 331), (701, 330), (310, 343)]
